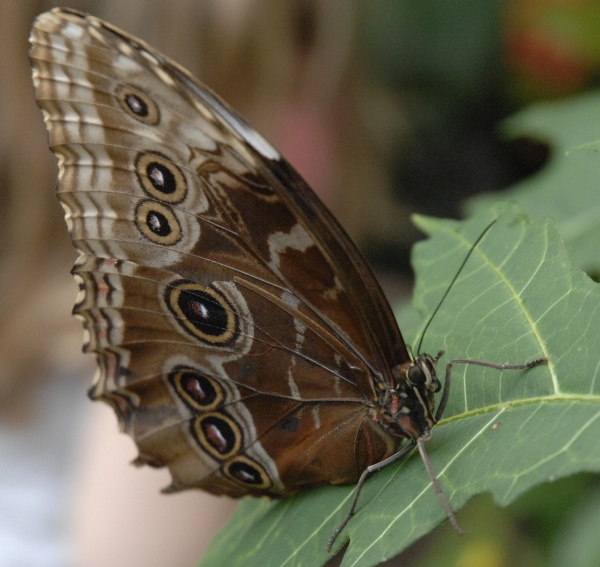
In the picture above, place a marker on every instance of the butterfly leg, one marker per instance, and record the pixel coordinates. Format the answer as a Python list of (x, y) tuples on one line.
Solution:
[(363, 477), (445, 393)]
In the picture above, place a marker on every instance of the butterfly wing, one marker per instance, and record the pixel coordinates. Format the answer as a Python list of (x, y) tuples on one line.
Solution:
[(240, 335)]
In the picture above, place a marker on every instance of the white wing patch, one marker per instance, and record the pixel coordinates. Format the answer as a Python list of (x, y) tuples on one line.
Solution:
[(296, 239)]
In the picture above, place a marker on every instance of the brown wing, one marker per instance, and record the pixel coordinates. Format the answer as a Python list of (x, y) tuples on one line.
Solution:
[(232, 317)]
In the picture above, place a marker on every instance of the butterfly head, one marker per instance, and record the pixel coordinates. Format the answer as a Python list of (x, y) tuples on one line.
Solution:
[(410, 405)]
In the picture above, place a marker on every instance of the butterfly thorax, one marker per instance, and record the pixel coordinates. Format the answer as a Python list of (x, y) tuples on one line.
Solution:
[(408, 407)]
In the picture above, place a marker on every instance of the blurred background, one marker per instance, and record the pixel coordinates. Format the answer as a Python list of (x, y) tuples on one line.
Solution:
[(387, 108)]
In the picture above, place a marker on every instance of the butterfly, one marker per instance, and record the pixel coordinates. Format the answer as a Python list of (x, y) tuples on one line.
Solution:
[(240, 335)]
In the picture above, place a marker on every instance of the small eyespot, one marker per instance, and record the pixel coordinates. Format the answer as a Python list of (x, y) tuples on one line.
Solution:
[(158, 223), (196, 390), (137, 104), (246, 471), (160, 178), (217, 434)]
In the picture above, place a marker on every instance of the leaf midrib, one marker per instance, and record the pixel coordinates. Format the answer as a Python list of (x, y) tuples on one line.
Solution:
[(555, 398)]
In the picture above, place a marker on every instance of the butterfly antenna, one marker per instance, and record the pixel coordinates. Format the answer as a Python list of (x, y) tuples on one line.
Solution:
[(460, 269)]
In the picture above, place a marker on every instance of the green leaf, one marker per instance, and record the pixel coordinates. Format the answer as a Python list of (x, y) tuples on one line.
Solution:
[(518, 298), (566, 189)]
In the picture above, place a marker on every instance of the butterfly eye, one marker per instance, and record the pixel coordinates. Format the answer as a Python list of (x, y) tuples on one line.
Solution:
[(416, 375)]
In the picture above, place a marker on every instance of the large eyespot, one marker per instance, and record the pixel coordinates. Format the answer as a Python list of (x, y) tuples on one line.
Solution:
[(157, 223), (160, 177), (217, 434), (247, 472), (202, 311), (196, 390), (137, 104)]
